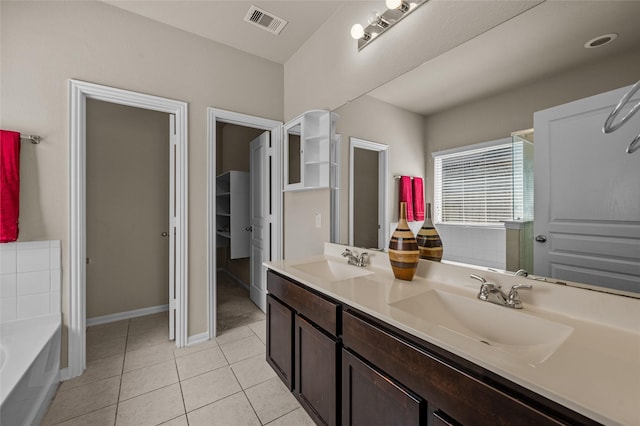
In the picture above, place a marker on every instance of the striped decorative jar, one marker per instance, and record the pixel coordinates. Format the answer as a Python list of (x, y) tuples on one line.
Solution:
[(429, 241), (403, 249)]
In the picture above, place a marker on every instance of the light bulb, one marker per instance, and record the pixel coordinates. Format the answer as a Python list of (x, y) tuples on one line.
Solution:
[(357, 31), (393, 4), (374, 17)]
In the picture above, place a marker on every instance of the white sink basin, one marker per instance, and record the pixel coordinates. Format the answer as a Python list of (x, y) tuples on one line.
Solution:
[(530, 338), (328, 270)]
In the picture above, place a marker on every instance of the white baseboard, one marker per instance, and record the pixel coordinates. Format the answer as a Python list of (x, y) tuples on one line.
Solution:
[(126, 315), (64, 374), (197, 338)]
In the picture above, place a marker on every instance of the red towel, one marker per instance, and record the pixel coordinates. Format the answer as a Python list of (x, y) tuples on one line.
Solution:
[(406, 196), (418, 199), (9, 185)]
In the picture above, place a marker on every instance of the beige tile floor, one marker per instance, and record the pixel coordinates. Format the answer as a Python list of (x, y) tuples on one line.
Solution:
[(135, 376), (233, 303)]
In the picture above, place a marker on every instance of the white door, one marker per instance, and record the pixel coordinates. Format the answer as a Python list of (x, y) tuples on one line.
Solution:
[(172, 227), (260, 217), (587, 195)]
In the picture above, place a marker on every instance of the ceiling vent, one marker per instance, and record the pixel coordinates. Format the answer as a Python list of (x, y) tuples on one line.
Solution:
[(265, 20)]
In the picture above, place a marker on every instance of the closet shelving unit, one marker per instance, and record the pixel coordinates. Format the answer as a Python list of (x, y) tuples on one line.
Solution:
[(232, 213)]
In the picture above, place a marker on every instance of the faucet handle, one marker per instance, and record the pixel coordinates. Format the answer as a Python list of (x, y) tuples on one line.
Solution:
[(479, 278), (513, 299), (485, 287), (346, 252), (485, 284)]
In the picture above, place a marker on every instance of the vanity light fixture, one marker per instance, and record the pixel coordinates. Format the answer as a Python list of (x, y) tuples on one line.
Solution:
[(381, 22), (397, 4)]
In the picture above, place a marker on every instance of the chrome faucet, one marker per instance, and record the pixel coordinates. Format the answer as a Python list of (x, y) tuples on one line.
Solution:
[(521, 273), (492, 293), (355, 259)]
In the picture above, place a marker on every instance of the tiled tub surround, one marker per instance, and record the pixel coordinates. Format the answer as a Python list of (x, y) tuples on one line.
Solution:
[(30, 279), (30, 306), (29, 371), (135, 376), (595, 371)]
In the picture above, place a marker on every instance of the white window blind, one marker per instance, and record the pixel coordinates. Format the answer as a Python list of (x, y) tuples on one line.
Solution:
[(481, 186)]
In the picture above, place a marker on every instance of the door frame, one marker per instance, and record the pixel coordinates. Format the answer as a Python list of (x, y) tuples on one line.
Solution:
[(383, 172), (79, 92), (214, 116)]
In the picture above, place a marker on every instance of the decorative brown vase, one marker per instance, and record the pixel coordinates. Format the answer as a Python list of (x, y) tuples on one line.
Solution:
[(429, 241), (403, 249)]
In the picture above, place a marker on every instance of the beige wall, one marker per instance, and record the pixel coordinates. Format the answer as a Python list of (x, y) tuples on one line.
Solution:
[(376, 121), (43, 44), (301, 237), (235, 147), (497, 116), (127, 208)]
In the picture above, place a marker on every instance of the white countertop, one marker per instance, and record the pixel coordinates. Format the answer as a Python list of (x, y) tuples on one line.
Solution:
[(595, 371)]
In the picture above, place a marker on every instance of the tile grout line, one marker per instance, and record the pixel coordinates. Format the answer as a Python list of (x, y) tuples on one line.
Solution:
[(115, 419), (245, 394), (184, 405)]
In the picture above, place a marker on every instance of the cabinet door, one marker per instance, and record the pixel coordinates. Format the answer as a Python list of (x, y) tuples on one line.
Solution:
[(441, 419), (280, 340), (371, 398), (316, 357)]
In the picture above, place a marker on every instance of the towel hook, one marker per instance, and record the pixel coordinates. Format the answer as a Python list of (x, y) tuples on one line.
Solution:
[(610, 127)]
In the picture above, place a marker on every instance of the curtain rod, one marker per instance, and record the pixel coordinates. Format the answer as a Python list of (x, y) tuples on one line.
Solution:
[(32, 138)]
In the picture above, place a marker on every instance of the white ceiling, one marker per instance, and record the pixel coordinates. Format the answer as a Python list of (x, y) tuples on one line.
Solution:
[(223, 21), (543, 40)]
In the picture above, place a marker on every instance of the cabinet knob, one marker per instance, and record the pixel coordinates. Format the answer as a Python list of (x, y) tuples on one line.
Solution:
[(165, 234)]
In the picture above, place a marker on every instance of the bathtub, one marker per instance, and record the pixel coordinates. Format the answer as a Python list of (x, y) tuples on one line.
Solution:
[(29, 368)]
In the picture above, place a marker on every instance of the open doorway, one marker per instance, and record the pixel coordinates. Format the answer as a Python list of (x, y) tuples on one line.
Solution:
[(234, 199), (79, 93), (128, 181), (368, 172), (237, 279)]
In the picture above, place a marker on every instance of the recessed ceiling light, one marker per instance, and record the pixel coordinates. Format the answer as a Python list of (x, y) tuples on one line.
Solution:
[(600, 40)]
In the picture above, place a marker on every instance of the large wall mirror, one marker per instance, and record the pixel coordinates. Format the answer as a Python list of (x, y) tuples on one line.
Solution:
[(484, 90)]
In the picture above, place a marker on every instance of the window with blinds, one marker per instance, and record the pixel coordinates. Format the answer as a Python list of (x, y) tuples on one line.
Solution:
[(481, 186)]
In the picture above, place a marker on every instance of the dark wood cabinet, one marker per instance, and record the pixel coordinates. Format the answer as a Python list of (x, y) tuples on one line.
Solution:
[(369, 397), (441, 419), (280, 321), (303, 346), (316, 358), (347, 367)]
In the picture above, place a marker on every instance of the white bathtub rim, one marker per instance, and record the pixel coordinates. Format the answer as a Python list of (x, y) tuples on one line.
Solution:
[(21, 348)]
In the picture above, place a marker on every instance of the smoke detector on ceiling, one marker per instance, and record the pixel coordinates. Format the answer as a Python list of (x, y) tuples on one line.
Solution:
[(265, 20)]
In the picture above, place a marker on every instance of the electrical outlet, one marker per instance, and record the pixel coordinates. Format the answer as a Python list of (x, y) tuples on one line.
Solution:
[(318, 220)]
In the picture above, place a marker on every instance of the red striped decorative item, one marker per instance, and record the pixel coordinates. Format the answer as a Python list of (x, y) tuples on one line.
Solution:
[(429, 241), (403, 249)]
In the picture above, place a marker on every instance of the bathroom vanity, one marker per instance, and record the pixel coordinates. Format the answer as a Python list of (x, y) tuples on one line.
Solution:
[(356, 346)]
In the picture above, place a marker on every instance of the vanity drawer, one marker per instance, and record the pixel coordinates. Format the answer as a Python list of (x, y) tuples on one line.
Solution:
[(465, 398), (318, 309)]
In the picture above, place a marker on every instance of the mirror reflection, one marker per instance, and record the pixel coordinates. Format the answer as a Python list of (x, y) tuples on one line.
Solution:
[(293, 155), (368, 225), (584, 225)]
